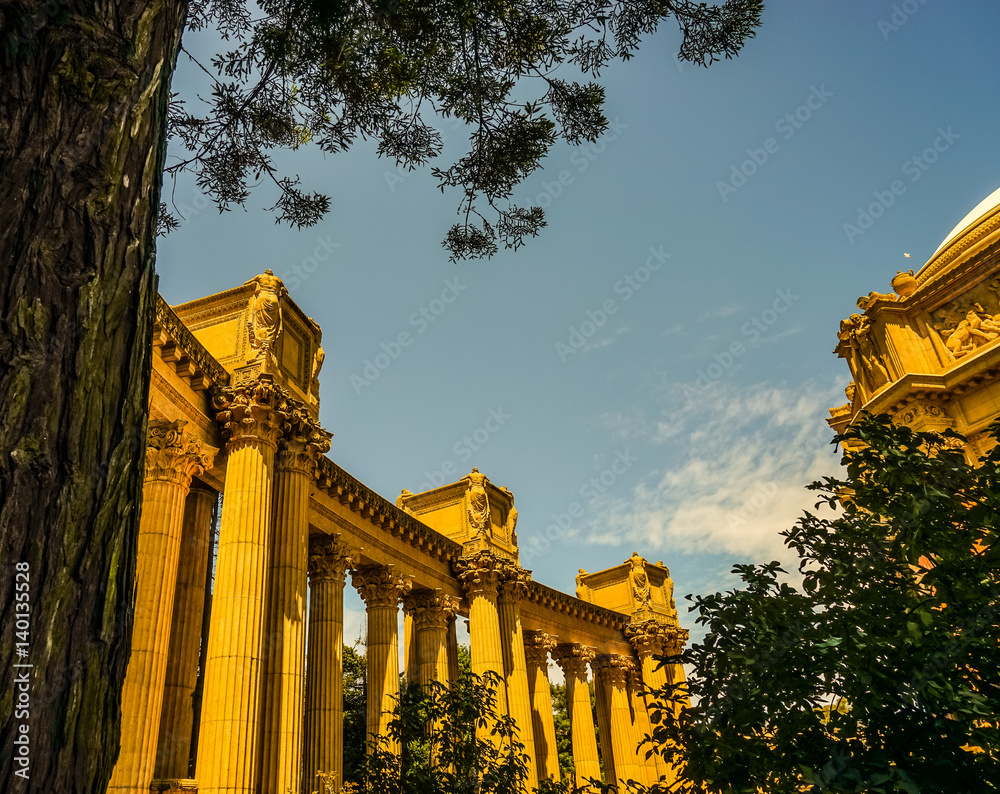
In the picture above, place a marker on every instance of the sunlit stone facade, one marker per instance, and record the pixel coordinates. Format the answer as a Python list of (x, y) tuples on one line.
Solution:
[(927, 353), (225, 693)]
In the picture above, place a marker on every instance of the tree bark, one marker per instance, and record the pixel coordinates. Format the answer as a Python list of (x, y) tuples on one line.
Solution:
[(83, 101)]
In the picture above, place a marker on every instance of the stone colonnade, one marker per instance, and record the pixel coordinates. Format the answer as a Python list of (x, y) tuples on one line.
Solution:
[(271, 714)]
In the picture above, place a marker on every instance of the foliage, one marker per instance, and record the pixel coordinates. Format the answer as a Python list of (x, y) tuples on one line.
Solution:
[(329, 72), (453, 742), (355, 712), (879, 673)]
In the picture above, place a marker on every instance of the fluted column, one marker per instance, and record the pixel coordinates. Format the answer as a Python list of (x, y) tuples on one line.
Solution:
[(173, 752), (172, 459), (651, 768), (651, 640), (480, 575), (285, 632), (329, 561), (615, 672), (573, 659), (381, 588), (513, 588), (453, 670), (603, 707), (412, 666), (252, 416), (537, 646), (430, 613)]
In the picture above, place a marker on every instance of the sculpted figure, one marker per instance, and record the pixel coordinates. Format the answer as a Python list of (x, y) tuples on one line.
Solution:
[(478, 503), (512, 526), (581, 588), (971, 332), (265, 311), (639, 580)]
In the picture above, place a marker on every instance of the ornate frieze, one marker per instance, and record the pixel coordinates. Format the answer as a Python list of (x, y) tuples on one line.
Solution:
[(174, 456), (380, 585), (330, 559), (431, 609), (971, 321), (537, 647)]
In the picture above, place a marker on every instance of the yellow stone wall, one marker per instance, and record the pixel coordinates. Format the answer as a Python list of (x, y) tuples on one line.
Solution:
[(928, 353)]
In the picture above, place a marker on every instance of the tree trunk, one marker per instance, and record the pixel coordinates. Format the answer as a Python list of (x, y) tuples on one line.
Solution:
[(83, 100)]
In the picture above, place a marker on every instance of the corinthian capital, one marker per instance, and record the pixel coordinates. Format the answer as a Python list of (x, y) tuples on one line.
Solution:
[(251, 411), (514, 584), (573, 658), (431, 609), (380, 585), (481, 573), (330, 559), (651, 637), (173, 455), (615, 667), (537, 646)]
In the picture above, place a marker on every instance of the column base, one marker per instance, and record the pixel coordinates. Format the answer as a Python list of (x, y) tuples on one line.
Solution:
[(174, 786)]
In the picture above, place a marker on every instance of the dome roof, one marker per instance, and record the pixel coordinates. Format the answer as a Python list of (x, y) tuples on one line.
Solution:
[(948, 253), (984, 207)]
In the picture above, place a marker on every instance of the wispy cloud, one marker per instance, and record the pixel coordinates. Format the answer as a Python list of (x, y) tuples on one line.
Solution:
[(745, 456)]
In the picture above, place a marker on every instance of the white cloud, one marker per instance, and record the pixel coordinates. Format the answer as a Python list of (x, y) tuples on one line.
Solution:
[(744, 457)]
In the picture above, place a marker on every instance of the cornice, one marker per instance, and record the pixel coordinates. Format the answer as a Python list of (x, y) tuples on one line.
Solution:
[(558, 601), (177, 346), (938, 263), (375, 509)]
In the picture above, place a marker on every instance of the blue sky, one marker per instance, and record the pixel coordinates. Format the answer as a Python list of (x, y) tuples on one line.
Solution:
[(654, 371)]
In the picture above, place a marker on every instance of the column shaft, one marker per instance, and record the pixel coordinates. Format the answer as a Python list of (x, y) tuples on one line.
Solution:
[(177, 718), (573, 659), (620, 718), (536, 651), (329, 561), (228, 740), (171, 461), (381, 590), (285, 637), (603, 703), (453, 670), (515, 668), (649, 768), (480, 576)]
